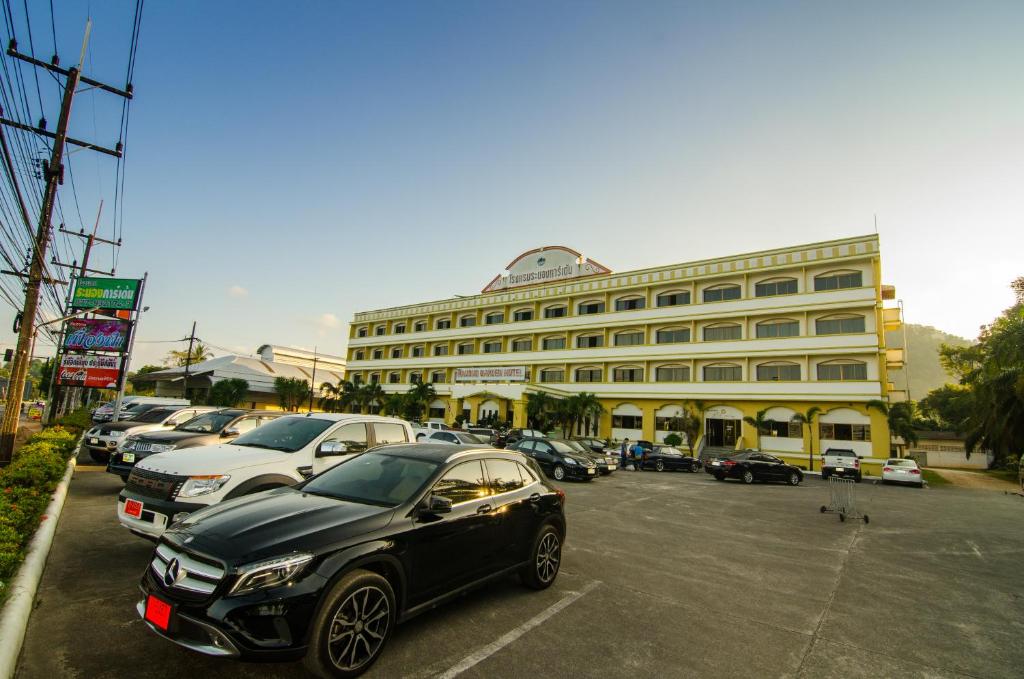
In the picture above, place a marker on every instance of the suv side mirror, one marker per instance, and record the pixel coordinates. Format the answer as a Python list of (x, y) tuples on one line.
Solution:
[(230, 432), (439, 505), (331, 448)]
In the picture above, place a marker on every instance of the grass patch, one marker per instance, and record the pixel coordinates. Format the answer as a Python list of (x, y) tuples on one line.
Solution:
[(933, 479)]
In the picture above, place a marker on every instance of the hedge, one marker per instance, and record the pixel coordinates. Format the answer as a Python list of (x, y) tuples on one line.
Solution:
[(26, 486)]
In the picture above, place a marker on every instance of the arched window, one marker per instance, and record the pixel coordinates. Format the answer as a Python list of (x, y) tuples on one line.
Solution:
[(778, 327), (778, 371), (467, 321), (494, 317), (419, 326), (842, 371), (552, 375), (672, 373), (465, 348), (723, 372), (556, 342), (589, 374), (400, 329), (631, 303), (362, 332), (417, 351), (378, 354), (775, 286), (673, 298), (589, 341), (722, 293), (440, 350), (522, 344), (437, 376), (374, 378), (380, 330), (839, 325), (394, 378), (723, 331), (556, 311), (443, 324), (629, 338), (522, 314), (594, 306), (672, 335), (628, 373), (415, 377), (360, 355), (396, 352), (492, 347), (837, 280)]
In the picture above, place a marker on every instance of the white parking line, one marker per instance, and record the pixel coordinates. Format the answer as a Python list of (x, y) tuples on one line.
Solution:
[(503, 641)]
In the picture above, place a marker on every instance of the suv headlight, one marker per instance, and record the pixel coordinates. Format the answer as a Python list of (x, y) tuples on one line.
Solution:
[(162, 447), (203, 485), (269, 573)]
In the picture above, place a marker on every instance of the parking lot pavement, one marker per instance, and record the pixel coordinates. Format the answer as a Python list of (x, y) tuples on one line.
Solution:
[(664, 575)]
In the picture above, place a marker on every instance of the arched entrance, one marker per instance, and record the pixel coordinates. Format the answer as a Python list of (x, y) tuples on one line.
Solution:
[(487, 410), (723, 426)]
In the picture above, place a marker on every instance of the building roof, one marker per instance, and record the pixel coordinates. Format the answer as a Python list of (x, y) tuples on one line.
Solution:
[(276, 353), (938, 435), (258, 373)]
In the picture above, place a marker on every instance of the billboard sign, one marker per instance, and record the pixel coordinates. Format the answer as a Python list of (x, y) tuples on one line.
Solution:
[(96, 334), (515, 373), (106, 293), (101, 372)]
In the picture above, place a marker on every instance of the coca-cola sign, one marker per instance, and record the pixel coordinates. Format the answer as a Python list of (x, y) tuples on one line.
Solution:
[(97, 371), (96, 334)]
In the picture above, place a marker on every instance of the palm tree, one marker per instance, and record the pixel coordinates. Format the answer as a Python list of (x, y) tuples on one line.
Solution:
[(369, 394), (539, 407), (394, 404), (338, 398), (590, 411), (180, 358), (687, 423), (418, 398), (806, 419), (760, 424), (901, 422)]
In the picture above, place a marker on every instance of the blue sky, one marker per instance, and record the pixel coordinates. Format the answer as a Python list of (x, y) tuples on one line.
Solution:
[(292, 163)]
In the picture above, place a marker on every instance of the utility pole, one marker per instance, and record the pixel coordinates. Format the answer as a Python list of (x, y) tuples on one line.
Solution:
[(54, 175), (188, 361), (312, 384)]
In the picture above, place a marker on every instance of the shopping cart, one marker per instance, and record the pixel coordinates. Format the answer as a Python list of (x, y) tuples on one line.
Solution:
[(842, 499)]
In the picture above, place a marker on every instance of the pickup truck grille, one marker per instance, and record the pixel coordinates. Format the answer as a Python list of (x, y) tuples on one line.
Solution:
[(190, 574), (154, 484)]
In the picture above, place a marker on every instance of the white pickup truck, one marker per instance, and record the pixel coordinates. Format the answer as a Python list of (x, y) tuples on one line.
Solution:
[(423, 430), (841, 462)]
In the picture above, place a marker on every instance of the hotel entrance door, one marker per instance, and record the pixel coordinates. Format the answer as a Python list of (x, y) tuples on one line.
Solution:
[(722, 433)]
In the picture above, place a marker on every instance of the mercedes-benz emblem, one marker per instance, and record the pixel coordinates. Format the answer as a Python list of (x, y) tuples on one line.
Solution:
[(174, 573)]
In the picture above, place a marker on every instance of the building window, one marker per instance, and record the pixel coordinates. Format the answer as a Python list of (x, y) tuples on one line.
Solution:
[(630, 303), (718, 333), (552, 375), (722, 293), (394, 378), (553, 343), (844, 432), (522, 345), (374, 378), (589, 341), (435, 413), (467, 321), (360, 355), (588, 375), (400, 329), (626, 339), (362, 332), (497, 317), (672, 335), (627, 421), (778, 372), (466, 348), (839, 326), (556, 311), (522, 315), (672, 373), (628, 375), (380, 330), (784, 286), (443, 324), (789, 430), (842, 372), (417, 352), (673, 298), (437, 376), (357, 378), (378, 354), (587, 308), (415, 378), (838, 280), (420, 326), (778, 328), (492, 347), (723, 373), (441, 350), (396, 352)]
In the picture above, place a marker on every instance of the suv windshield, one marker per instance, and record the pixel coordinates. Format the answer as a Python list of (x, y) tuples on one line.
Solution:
[(209, 423), (155, 415), (287, 434), (373, 479)]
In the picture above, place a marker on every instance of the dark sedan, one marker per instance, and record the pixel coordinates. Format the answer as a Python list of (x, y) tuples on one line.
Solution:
[(668, 458), (596, 445), (753, 466), (558, 459)]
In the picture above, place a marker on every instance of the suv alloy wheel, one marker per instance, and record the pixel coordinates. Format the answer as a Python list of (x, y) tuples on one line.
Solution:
[(546, 559)]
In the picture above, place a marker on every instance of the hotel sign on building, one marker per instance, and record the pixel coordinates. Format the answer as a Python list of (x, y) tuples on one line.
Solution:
[(545, 265), (515, 373)]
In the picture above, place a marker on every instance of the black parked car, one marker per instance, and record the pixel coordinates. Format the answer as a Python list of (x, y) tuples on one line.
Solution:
[(516, 435), (596, 445), (670, 458), (325, 569), (219, 426), (750, 466), (558, 459), (606, 462)]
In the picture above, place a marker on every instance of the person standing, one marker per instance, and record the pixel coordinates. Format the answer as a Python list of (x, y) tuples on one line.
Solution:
[(624, 452), (638, 457)]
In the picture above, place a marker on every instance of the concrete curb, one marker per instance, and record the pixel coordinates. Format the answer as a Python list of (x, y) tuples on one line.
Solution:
[(14, 618)]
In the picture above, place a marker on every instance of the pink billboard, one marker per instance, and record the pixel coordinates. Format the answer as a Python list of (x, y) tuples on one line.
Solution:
[(96, 334)]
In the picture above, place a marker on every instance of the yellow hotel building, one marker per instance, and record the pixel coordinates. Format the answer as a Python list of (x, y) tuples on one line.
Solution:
[(780, 330)]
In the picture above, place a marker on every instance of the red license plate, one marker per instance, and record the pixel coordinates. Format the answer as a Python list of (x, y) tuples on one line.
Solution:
[(158, 612), (133, 508)]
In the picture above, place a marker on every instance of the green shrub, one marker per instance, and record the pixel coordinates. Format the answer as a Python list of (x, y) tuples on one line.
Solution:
[(673, 440), (76, 422)]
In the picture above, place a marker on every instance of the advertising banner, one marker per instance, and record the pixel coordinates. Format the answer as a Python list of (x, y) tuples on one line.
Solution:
[(516, 373), (97, 371), (106, 293), (96, 334)]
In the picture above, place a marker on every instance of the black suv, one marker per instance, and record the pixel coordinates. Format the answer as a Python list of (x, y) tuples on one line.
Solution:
[(325, 569), (558, 459)]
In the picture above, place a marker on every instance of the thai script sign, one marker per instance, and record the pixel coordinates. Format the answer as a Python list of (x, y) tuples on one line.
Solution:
[(545, 265), (96, 334), (515, 373), (105, 293), (101, 372)]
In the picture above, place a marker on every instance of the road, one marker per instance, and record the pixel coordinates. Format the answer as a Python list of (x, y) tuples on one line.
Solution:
[(665, 575)]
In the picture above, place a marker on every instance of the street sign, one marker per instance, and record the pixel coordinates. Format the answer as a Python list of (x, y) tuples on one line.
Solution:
[(97, 371), (105, 293), (96, 334)]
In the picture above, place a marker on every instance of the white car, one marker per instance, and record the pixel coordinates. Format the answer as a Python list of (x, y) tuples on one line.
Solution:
[(422, 430), (167, 487), (902, 470), (456, 438)]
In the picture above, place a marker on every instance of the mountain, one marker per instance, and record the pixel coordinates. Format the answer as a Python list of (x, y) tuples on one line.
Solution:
[(922, 352)]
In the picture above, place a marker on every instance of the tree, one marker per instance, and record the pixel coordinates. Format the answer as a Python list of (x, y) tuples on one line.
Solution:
[(760, 424), (806, 419), (369, 394), (673, 440), (45, 370), (590, 411), (946, 408), (291, 392), (394, 404), (541, 409), (901, 422), (179, 358), (338, 398), (688, 424), (228, 393), (418, 398)]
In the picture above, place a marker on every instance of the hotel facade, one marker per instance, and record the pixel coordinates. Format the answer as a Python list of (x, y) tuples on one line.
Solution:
[(781, 331)]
